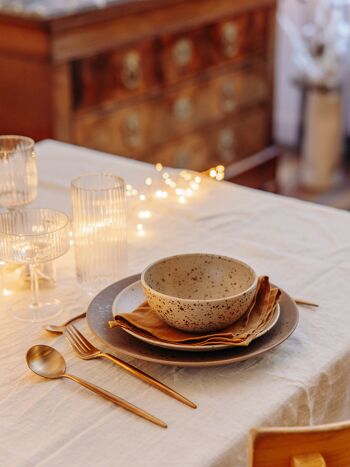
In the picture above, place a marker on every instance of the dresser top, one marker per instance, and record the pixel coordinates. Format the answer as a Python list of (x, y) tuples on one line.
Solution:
[(47, 9)]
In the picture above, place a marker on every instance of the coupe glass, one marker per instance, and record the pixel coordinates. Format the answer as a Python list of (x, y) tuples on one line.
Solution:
[(34, 236), (18, 173), (18, 188), (99, 226)]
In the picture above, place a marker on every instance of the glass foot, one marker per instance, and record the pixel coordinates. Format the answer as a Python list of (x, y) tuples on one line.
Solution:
[(23, 310)]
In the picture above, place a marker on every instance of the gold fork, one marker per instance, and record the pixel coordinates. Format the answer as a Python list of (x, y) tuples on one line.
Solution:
[(87, 351)]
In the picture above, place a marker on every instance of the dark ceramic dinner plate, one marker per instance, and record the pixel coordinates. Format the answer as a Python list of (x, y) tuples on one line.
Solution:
[(100, 312)]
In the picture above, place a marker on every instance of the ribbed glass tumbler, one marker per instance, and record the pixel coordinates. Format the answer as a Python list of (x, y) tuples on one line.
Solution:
[(100, 230), (18, 173)]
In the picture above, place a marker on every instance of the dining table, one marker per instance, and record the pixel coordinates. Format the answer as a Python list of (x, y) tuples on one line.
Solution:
[(304, 248)]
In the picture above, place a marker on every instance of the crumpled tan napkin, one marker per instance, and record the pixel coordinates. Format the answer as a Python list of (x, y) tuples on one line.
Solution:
[(145, 322)]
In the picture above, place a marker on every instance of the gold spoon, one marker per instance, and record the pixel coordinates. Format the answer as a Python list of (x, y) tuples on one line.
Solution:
[(47, 362)]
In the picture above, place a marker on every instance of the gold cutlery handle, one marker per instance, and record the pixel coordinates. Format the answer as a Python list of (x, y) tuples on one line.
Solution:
[(82, 315), (117, 400), (299, 301), (149, 379)]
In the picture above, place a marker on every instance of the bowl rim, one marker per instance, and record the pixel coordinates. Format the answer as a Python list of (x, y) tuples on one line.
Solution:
[(204, 300)]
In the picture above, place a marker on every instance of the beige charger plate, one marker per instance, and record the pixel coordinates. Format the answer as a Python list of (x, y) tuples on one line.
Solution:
[(100, 312)]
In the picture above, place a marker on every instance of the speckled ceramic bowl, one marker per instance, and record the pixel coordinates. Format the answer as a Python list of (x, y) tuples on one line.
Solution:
[(199, 292)]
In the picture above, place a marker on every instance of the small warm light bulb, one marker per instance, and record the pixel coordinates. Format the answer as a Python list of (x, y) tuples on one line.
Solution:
[(144, 214), (220, 176), (142, 197), (197, 179), (134, 192), (6, 292), (194, 185), (159, 167), (168, 181), (212, 173), (148, 181), (161, 194), (182, 200), (128, 187), (220, 168), (166, 175), (140, 230)]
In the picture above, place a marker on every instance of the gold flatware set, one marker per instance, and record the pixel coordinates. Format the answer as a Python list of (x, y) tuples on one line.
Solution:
[(47, 362)]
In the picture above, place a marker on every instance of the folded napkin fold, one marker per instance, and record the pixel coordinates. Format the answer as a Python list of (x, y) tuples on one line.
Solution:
[(145, 322)]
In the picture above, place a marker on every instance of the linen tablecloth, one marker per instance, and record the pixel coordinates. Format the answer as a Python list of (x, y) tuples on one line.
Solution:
[(304, 248)]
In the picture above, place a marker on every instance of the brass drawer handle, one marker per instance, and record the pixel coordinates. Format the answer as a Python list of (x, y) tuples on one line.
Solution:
[(226, 145), (182, 109), (229, 35), (228, 96), (183, 52), (132, 131), (131, 73)]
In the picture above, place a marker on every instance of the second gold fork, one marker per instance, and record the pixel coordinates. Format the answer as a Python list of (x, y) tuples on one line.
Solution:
[(87, 351)]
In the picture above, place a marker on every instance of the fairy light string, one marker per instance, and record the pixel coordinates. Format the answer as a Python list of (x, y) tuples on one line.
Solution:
[(165, 186)]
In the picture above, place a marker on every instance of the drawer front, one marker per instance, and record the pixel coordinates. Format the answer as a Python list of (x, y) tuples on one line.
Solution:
[(126, 132), (236, 91), (228, 39), (183, 110), (241, 137), (181, 55), (234, 38), (124, 73)]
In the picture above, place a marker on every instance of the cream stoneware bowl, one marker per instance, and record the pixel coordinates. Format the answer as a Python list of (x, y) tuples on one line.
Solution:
[(199, 292)]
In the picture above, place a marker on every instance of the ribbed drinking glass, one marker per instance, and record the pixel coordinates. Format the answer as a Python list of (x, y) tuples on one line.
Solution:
[(100, 230), (34, 236), (18, 173)]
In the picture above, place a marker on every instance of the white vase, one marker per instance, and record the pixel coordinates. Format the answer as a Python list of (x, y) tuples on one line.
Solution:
[(322, 145)]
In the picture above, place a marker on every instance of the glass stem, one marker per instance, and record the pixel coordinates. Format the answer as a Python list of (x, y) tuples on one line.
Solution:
[(34, 285), (2, 281)]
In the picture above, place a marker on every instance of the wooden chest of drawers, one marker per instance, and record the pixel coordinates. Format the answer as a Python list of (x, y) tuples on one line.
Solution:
[(186, 83)]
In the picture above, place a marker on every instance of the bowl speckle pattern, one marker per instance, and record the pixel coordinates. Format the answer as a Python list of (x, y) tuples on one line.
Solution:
[(199, 292)]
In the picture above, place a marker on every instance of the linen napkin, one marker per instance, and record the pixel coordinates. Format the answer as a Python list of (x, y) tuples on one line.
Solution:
[(145, 322)]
